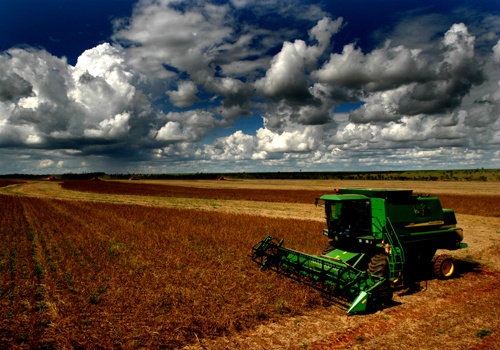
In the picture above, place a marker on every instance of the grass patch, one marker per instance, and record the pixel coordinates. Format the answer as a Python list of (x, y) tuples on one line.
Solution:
[(483, 333)]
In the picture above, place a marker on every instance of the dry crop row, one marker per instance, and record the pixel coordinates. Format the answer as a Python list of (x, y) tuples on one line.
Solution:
[(261, 195), (74, 274), (482, 205), (4, 183)]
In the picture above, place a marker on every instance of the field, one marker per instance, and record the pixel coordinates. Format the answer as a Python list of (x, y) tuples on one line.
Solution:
[(164, 264)]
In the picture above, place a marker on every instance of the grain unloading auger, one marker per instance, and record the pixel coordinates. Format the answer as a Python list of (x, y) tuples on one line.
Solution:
[(377, 239)]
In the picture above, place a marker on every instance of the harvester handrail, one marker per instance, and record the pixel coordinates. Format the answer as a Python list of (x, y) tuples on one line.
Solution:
[(396, 255), (398, 242)]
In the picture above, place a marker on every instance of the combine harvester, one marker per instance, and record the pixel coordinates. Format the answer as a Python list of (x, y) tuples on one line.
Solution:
[(378, 238)]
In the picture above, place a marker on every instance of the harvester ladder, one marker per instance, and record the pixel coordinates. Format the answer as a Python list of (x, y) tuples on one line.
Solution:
[(396, 256)]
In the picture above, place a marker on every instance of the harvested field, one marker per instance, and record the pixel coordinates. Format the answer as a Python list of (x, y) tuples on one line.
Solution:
[(86, 272)]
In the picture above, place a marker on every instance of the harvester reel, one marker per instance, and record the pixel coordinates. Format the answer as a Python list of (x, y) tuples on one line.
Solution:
[(444, 266)]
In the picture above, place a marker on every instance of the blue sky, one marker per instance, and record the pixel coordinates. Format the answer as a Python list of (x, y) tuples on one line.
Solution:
[(171, 86)]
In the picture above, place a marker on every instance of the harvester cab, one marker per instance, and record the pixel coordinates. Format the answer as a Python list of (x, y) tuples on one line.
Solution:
[(377, 239)]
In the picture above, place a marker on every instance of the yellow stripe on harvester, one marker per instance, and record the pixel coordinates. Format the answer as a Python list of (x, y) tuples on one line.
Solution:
[(430, 223)]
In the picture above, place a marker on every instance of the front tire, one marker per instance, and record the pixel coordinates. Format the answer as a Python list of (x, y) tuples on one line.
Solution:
[(379, 266), (444, 267)]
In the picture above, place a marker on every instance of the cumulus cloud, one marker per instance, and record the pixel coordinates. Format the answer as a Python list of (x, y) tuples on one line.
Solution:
[(235, 147), (381, 69), (45, 163), (496, 52), (13, 86), (165, 35), (185, 95), (305, 140), (428, 98), (403, 83), (65, 107), (113, 128), (287, 76), (188, 126)]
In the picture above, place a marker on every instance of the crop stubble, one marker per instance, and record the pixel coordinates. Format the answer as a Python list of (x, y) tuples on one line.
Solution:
[(134, 276)]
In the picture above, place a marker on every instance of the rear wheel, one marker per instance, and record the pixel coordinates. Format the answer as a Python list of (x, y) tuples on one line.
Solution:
[(444, 267)]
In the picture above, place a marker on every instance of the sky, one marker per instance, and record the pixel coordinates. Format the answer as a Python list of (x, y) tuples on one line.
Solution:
[(172, 86)]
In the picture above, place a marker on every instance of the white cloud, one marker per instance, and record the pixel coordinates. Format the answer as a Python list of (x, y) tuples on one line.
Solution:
[(496, 52), (188, 126), (185, 95), (45, 163), (429, 97), (287, 75), (305, 140), (109, 129), (184, 39), (459, 45), (379, 70), (102, 83), (171, 132)]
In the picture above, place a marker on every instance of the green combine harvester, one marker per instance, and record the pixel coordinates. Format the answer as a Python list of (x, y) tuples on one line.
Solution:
[(378, 238)]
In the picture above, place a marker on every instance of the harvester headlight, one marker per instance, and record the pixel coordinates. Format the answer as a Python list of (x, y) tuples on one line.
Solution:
[(460, 234)]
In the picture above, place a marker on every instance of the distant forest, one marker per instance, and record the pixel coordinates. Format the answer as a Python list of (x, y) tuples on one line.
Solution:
[(412, 175)]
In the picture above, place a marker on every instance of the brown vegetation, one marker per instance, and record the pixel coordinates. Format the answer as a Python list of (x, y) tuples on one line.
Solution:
[(261, 195), (82, 274), (484, 205), (76, 273), (4, 183)]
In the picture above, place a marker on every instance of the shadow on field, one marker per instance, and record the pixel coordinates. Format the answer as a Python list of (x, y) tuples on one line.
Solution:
[(417, 282), (464, 267), (422, 274)]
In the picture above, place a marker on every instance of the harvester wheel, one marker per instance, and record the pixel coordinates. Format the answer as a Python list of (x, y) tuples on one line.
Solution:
[(444, 267), (379, 265)]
